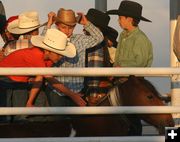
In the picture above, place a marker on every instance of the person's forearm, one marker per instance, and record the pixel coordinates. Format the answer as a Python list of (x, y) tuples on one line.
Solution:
[(60, 87), (37, 83)]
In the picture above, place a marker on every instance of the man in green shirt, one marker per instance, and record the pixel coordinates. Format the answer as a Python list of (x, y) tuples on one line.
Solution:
[(134, 48)]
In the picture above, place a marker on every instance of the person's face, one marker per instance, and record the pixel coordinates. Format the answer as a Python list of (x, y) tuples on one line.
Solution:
[(124, 22), (54, 57), (68, 30), (7, 36)]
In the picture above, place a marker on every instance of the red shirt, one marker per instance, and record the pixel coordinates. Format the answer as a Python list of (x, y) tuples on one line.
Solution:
[(28, 57)]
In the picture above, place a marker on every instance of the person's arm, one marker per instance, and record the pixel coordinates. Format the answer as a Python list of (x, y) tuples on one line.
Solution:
[(143, 53), (61, 88), (95, 36), (37, 83), (50, 22)]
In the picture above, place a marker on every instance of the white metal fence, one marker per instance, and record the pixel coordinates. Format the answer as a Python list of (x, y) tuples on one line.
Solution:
[(166, 72)]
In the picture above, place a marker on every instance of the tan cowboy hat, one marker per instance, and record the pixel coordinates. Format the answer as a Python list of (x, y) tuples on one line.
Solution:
[(55, 41), (26, 22), (66, 17)]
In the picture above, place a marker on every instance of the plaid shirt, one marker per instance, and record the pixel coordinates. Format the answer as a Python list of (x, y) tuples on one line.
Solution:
[(16, 45), (81, 42), (95, 58)]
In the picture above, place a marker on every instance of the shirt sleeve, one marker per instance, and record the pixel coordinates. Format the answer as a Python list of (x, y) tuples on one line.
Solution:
[(35, 58), (95, 36), (116, 59), (44, 31), (142, 52)]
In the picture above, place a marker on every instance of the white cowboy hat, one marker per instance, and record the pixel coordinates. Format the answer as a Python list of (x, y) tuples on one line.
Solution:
[(26, 22), (55, 41)]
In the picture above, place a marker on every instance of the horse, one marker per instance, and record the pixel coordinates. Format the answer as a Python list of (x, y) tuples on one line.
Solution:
[(133, 91)]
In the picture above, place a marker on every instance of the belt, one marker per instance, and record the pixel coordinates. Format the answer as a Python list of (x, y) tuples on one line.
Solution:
[(9, 84)]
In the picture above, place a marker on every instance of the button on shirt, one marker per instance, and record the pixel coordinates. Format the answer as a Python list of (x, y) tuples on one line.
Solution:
[(134, 50)]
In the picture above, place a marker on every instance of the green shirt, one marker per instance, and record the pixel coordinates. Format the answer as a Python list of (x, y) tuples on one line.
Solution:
[(134, 50)]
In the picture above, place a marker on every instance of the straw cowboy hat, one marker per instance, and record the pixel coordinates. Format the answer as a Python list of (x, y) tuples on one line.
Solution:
[(66, 17), (26, 22), (129, 8), (55, 41), (98, 18)]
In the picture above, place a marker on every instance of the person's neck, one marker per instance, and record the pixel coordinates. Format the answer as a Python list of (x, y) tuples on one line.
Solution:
[(130, 28)]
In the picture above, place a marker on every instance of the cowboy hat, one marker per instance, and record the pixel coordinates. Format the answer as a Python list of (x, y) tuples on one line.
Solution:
[(55, 41), (112, 35), (129, 8), (98, 18), (66, 17), (26, 22)]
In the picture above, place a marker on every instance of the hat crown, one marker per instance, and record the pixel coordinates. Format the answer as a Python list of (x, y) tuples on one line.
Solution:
[(55, 39), (66, 16), (134, 9), (98, 18), (28, 20)]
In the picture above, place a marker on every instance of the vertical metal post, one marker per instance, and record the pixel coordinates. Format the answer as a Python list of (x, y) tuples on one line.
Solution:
[(175, 80), (101, 5)]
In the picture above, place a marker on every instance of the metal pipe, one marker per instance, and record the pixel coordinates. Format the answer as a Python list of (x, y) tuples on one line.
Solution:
[(92, 71), (101, 5), (175, 80), (89, 110), (89, 139)]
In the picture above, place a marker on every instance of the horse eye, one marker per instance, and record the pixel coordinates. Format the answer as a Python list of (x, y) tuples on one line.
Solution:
[(150, 97)]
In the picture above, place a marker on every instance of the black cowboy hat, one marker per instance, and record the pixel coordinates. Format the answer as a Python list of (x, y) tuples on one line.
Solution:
[(98, 18), (112, 35), (129, 8)]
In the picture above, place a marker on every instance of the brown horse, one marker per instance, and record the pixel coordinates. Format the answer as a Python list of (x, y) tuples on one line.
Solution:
[(140, 92), (133, 92)]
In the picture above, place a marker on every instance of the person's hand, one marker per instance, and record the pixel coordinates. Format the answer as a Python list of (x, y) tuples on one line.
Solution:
[(29, 104), (84, 20), (78, 100), (104, 84), (51, 18)]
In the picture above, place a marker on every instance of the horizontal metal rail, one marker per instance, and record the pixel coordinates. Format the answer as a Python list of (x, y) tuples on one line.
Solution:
[(91, 71), (89, 139), (88, 110)]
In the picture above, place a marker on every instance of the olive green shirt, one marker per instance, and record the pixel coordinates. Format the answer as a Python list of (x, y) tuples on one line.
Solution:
[(134, 50)]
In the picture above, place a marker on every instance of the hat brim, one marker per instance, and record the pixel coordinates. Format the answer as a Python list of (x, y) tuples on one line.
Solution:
[(70, 50), (13, 28), (122, 13)]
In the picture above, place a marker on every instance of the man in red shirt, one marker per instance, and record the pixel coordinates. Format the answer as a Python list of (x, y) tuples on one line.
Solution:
[(51, 49)]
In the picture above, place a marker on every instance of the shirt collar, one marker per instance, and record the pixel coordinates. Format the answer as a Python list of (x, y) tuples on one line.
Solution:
[(128, 34)]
